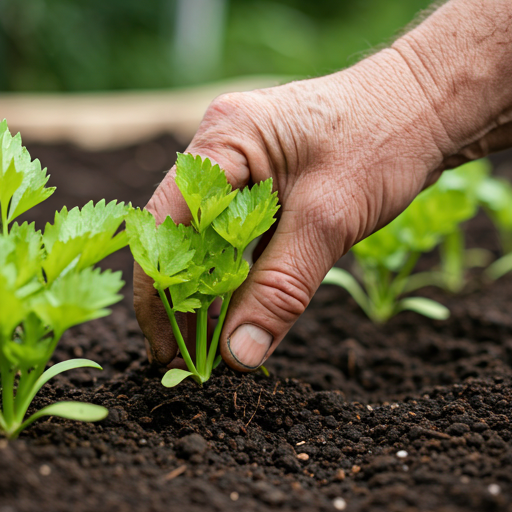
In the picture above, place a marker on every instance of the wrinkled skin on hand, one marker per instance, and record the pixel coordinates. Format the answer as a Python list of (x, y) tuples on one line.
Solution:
[(347, 153)]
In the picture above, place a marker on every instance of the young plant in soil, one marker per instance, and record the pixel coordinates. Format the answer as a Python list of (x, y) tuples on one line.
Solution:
[(456, 259), (496, 198), (47, 284), (386, 259), (193, 265)]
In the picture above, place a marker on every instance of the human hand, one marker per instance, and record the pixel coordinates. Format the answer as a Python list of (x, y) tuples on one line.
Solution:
[(347, 153)]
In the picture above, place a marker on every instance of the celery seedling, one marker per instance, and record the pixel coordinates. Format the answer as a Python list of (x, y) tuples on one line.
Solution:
[(47, 284), (386, 259), (496, 198), (193, 265)]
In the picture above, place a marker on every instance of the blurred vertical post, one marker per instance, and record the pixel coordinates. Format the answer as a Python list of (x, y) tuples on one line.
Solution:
[(198, 40)]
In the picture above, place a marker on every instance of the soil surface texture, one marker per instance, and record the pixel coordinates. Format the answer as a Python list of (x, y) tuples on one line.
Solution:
[(412, 416)]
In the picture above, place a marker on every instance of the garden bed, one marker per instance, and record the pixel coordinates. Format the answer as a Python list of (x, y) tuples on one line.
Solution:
[(415, 415)]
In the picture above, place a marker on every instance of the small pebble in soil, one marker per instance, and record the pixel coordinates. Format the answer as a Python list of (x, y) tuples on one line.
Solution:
[(494, 489), (394, 406), (303, 456), (405, 467), (464, 479), (369, 407), (340, 475), (301, 443), (402, 454), (234, 496), (339, 503), (45, 470)]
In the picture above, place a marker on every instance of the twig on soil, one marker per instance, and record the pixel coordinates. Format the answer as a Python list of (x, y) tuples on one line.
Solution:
[(255, 410), (175, 472), (275, 388)]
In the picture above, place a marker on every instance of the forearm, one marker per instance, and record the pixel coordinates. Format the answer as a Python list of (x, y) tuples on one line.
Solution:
[(461, 57)]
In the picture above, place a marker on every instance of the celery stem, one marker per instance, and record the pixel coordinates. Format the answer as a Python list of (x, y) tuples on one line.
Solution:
[(177, 333), (201, 339), (216, 333), (7, 392)]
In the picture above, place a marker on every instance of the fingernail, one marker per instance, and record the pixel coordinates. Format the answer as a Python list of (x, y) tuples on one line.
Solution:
[(249, 345)]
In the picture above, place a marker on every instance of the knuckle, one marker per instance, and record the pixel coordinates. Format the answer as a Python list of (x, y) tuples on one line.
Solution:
[(282, 294), (226, 105)]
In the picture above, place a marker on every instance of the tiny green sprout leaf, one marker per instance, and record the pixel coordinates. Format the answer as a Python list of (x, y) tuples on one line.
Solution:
[(51, 372), (500, 267), (78, 411), (61, 367), (264, 370), (204, 187), (426, 307), (217, 361), (346, 280), (249, 215), (174, 377)]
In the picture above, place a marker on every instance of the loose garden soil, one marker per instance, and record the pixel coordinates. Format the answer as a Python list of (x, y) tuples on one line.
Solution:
[(412, 416)]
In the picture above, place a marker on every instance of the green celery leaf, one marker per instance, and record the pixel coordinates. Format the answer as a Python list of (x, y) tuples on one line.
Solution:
[(500, 267), (29, 347), (249, 215), (383, 248), (183, 295), (174, 377), (204, 187), (63, 366), (12, 309), (426, 307), (10, 180), (28, 254), (30, 190), (435, 213), (78, 411), (78, 297), (83, 237), (222, 276), (346, 280), (163, 252)]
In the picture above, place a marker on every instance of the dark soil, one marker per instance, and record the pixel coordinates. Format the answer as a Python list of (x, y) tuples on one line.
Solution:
[(412, 416)]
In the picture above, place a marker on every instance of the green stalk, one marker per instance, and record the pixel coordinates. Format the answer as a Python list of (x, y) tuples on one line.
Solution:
[(401, 279), (452, 261), (24, 395), (3, 425), (177, 333), (7, 392), (201, 339), (216, 333), (4, 221)]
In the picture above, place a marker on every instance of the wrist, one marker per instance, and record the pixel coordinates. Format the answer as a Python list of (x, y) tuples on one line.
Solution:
[(461, 58)]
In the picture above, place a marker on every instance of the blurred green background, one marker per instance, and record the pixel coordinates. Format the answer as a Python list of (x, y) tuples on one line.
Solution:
[(89, 45)]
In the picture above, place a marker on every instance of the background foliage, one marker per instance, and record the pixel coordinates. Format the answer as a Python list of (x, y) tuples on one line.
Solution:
[(86, 45)]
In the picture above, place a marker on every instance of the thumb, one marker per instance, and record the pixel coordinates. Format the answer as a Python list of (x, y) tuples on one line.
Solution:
[(277, 291)]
